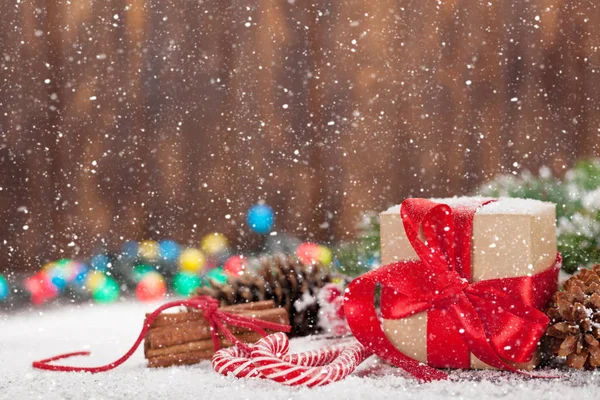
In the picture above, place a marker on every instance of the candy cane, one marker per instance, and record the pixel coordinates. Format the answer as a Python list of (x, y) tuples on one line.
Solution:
[(236, 362), (269, 360)]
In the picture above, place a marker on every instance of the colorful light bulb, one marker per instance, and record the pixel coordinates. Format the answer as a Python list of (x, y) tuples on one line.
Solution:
[(184, 283), (214, 243), (191, 260), (152, 287)]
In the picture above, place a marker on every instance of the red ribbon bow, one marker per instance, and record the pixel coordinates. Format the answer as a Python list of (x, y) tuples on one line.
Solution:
[(496, 319), (215, 317)]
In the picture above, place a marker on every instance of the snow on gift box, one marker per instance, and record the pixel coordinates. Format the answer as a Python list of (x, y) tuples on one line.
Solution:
[(463, 284)]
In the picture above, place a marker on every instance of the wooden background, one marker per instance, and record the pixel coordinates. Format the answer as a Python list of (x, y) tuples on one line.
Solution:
[(133, 119)]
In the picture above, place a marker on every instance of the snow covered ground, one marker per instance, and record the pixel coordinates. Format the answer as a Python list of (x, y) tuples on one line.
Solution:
[(108, 331)]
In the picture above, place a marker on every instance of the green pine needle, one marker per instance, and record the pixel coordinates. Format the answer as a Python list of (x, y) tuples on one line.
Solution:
[(578, 219)]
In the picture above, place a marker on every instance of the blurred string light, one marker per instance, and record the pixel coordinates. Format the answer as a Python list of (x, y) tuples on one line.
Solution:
[(192, 260), (260, 218), (107, 292), (100, 262), (185, 283), (129, 250), (235, 265), (95, 280), (150, 268), (216, 275), (141, 270), (312, 253), (214, 243), (148, 250), (169, 250), (152, 287), (40, 287), (4, 289)]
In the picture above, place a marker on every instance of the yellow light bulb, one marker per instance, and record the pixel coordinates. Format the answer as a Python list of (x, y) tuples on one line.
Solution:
[(148, 250), (214, 243), (191, 260)]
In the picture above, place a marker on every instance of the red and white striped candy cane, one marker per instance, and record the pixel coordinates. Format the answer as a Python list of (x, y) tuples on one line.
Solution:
[(237, 362), (234, 361), (269, 360)]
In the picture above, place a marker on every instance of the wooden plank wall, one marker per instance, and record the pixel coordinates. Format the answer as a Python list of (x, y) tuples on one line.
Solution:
[(149, 118)]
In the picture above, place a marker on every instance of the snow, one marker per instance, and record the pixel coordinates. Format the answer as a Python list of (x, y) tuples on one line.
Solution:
[(516, 206), (591, 200), (109, 330), (578, 224), (505, 205)]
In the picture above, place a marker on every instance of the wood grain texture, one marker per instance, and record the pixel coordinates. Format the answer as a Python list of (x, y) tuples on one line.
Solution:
[(181, 107)]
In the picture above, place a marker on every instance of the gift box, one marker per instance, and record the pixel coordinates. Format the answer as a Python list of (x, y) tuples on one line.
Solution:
[(511, 237), (463, 283)]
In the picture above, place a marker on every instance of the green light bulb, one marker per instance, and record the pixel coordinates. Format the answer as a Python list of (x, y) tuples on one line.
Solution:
[(184, 283), (107, 293)]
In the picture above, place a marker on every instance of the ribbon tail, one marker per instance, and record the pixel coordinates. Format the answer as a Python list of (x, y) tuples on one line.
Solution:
[(46, 363), (467, 317), (514, 329), (364, 323)]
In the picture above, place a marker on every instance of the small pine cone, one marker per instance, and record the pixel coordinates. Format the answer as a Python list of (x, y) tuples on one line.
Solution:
[(283, 279), (574, 330)]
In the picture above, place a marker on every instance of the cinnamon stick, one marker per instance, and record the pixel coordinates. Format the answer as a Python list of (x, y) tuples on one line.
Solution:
[(197, 330), (202, 345), (168, 319), (191, 357), (185, 338), (252, 306)]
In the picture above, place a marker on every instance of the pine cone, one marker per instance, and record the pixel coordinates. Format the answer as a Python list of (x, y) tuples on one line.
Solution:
[(283, 279), (574, 330)]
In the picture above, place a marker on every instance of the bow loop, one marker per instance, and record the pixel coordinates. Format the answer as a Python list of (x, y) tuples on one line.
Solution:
[(433, 222)]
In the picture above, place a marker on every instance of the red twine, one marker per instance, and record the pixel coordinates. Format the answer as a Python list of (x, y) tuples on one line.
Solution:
[(215, 317)]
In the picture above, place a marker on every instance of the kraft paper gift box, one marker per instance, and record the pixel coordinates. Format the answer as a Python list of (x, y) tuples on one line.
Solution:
[(511, 237)]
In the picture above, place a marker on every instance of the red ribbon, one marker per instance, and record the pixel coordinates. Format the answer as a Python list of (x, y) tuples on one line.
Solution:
[(215, 317), (498, 320)]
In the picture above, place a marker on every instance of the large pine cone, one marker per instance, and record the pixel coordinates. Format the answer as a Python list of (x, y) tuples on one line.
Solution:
[(281, 278), (574, 330)]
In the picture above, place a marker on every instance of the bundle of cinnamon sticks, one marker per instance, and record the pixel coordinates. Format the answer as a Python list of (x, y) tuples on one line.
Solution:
[(185, 338)]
